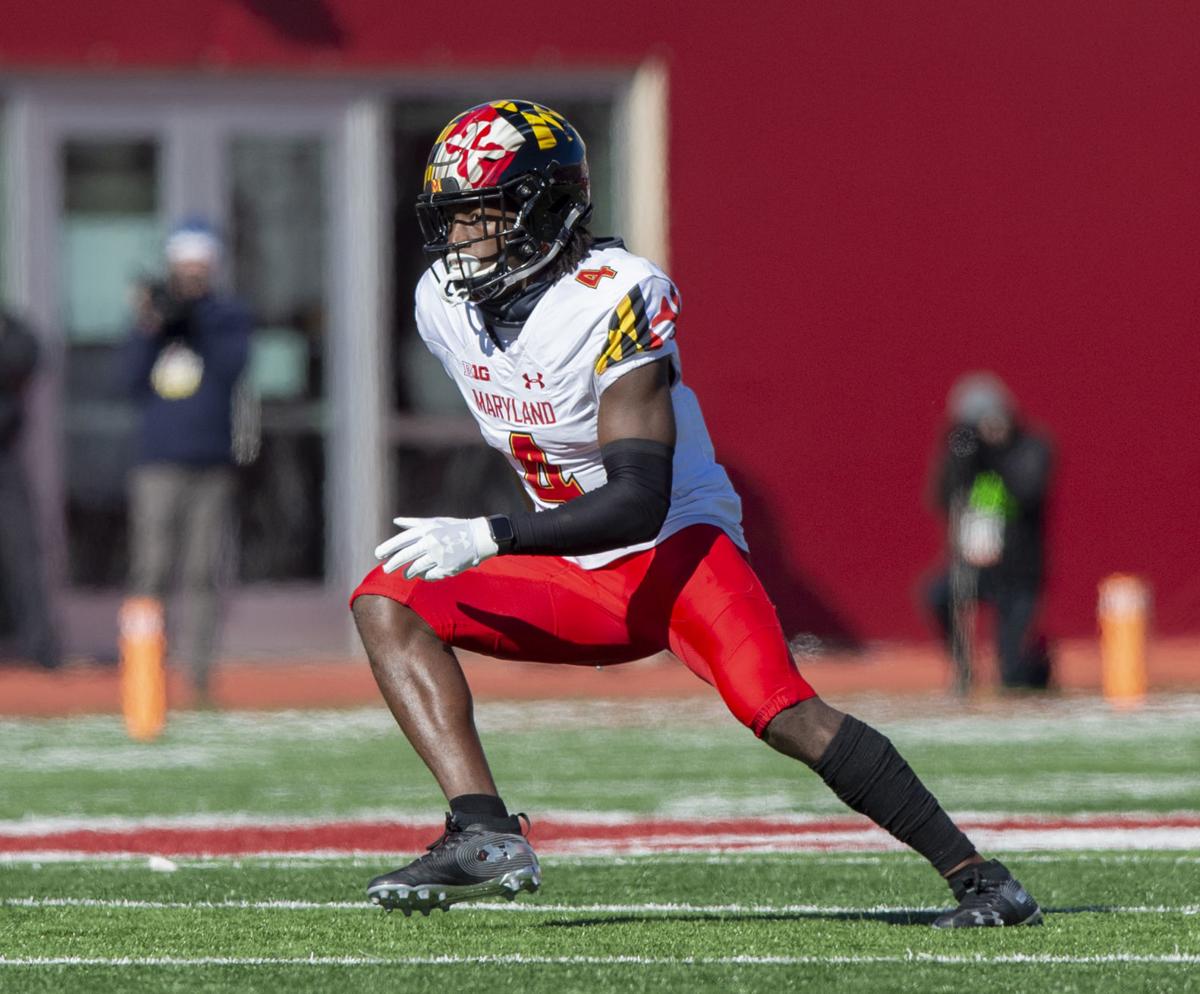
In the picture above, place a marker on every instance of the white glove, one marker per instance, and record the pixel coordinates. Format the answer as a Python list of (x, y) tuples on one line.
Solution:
[(436, 548)]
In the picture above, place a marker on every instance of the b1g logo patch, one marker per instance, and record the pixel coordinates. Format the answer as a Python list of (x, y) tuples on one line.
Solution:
[(591, 277)]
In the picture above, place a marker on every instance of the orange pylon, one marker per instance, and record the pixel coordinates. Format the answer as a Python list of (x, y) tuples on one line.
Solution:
[(143, 673), (1123, 611)]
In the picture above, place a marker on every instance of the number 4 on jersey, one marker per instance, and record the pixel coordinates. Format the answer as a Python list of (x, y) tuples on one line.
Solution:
[(546, 479), (591, 277)]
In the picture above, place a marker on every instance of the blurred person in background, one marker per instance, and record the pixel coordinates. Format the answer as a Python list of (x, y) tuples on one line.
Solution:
[(185, 354), (991, 483), (22, 582)]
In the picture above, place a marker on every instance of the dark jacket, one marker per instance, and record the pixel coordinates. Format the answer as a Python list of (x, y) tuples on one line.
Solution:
[(194, 430), (1023, 466)]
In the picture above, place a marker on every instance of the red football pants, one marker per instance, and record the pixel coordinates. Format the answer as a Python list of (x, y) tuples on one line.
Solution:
[(694, 594)]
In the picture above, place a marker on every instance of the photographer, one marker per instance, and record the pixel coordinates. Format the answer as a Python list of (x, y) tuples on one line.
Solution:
[(991, 484), (184, 356)]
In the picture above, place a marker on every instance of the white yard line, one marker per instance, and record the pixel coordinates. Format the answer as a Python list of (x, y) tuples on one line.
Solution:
[(874, 840), (518, 959), (317, 859), (643, 908), (43, 825)]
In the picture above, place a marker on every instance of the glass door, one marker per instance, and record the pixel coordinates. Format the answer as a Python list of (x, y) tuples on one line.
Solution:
[(109, 238), (105, 172)]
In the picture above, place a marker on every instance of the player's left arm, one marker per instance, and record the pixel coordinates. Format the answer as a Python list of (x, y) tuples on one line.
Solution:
[(636, 432), (638, 406)]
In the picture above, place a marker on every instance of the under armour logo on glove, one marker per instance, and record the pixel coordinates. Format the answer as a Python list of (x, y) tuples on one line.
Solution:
[(436, 548)]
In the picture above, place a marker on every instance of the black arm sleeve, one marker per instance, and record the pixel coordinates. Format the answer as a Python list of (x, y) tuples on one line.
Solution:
[(630, 508)]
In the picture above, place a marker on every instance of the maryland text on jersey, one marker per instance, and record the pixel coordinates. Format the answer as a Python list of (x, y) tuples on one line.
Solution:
[(513, 411)]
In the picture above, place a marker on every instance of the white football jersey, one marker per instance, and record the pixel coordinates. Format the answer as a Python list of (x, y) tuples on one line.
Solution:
[(538, 399)]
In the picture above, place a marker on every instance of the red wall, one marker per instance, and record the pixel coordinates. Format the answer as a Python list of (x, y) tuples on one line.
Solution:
[(867, 199)]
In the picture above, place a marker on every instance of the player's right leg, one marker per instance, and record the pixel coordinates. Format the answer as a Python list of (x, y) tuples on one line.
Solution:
[(482, 852), (511, 607), (424, 687)]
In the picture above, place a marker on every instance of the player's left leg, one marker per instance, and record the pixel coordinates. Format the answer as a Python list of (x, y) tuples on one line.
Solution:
[(724, 623), (870, 776)]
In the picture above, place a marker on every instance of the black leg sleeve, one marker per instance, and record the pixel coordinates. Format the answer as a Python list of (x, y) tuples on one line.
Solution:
[(864, 769)]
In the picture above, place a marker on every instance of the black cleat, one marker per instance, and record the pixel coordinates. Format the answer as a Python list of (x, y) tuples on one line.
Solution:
[(988, 895), (465, 864)]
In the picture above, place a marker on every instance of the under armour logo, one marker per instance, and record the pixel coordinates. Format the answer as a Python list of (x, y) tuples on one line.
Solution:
[(493, 852), (532, 381)]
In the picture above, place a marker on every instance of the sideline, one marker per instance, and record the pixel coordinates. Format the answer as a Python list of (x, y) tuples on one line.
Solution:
[(889, 668)]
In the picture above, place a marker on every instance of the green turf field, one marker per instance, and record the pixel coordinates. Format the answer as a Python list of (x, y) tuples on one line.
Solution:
[(1117, 921), (651, 757), (859, 923)]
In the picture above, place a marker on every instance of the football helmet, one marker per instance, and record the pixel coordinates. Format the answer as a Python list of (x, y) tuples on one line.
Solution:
[(517, 172)]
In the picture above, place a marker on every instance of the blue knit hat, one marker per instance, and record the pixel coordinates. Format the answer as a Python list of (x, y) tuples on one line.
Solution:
[(193, 240)]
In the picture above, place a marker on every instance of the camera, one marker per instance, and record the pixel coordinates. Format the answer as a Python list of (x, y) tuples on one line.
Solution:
[(175, 311)]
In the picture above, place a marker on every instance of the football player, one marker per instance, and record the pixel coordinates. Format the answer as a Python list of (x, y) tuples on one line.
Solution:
[(564, 347)]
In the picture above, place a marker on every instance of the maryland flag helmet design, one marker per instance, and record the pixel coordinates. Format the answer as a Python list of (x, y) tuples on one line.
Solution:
[(518, 171)]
